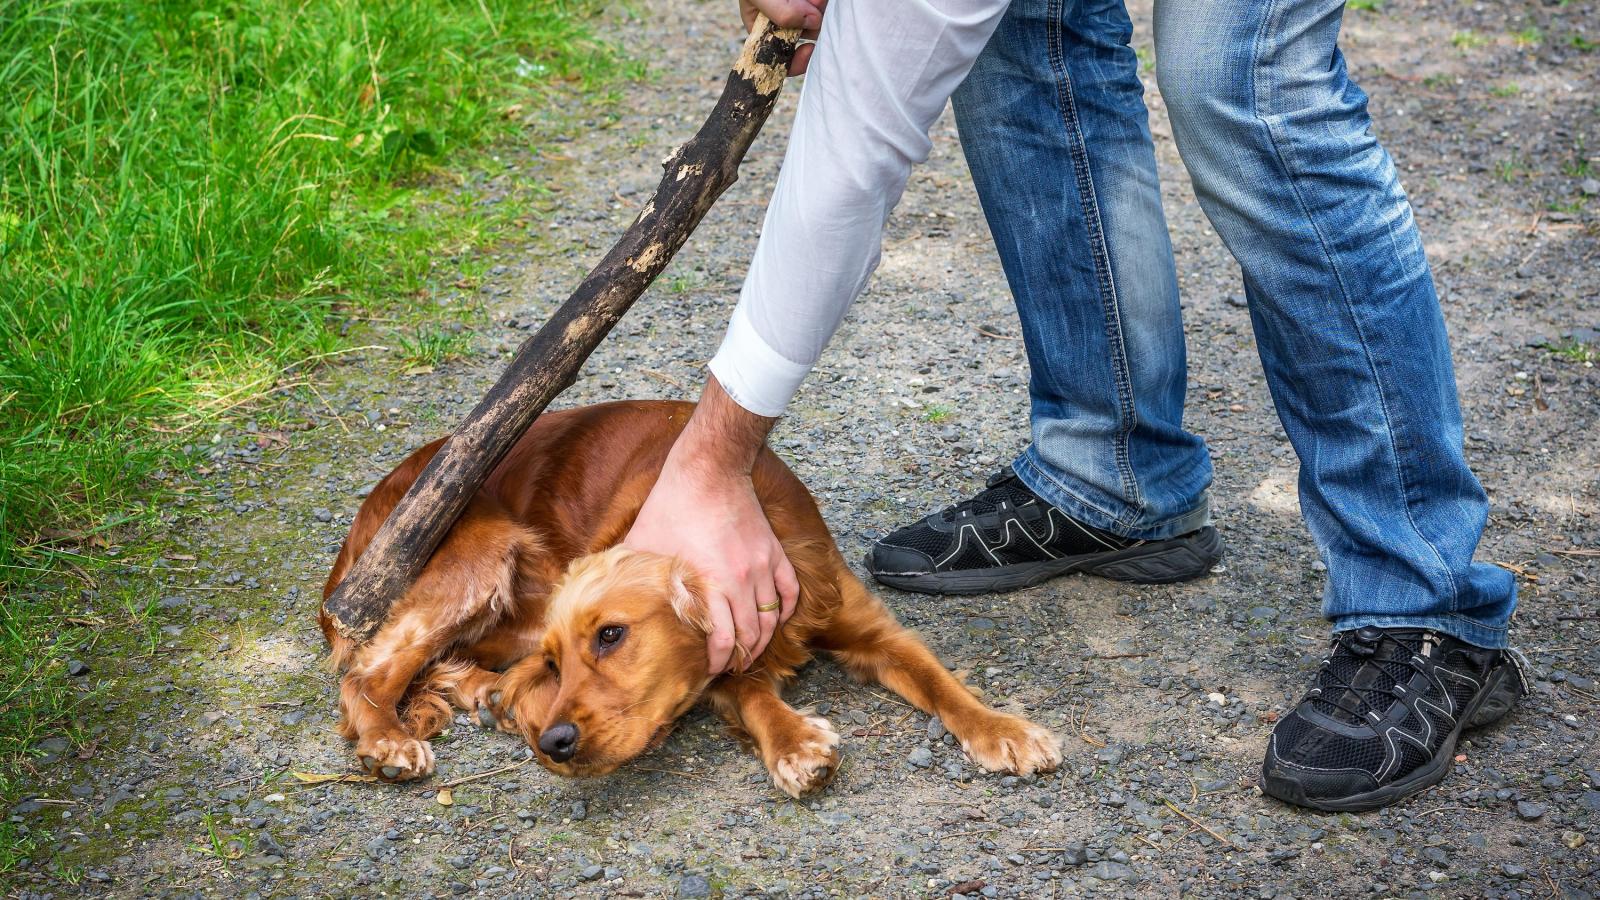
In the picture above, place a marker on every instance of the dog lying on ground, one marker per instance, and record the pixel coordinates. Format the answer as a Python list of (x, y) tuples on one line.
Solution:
[(529, 618)]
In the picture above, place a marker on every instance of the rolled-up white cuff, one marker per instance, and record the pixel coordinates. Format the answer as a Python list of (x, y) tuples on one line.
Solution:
[(756, 376)]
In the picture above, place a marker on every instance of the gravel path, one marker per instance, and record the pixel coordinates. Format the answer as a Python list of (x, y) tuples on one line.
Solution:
[(207, 686)]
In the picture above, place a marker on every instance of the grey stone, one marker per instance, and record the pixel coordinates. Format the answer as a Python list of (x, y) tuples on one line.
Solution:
[(694, 886), (921, 757), (1111, 756), (77, 668), (1529, 810), (1112, 871)]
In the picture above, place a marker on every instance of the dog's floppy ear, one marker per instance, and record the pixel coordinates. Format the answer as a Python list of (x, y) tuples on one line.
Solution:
[(688, 596)]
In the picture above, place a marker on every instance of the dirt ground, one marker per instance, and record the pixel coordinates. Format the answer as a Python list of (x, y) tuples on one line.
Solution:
[(179, 782)]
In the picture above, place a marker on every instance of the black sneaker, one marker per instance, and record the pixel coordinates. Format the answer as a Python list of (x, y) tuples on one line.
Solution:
[(1007, 538), (1382, 717)]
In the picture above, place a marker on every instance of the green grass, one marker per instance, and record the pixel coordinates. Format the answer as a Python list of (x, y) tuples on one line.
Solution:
[(1509, 170), (1467, 40), (190, 192), (433, 345), (1575, 352)]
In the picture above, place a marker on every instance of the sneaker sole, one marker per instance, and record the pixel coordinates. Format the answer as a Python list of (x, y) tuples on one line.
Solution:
[(1490, 706), (1158, 562)]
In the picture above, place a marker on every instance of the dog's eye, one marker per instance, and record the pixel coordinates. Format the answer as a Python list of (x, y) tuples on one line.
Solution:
[(609, 636), (555, 670)]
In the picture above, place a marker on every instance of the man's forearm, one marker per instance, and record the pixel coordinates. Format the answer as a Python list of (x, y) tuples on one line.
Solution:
[(722, 438)]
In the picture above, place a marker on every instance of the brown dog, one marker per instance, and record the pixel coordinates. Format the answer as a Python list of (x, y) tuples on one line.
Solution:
[(529, 617)]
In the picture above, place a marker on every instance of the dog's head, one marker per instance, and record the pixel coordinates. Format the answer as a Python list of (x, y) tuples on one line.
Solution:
[(624, 655)]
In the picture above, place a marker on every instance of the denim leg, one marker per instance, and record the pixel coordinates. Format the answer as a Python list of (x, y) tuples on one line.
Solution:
[(1280, 148), (1054, 127)]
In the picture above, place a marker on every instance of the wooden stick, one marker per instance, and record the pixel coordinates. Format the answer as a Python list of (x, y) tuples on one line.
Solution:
[(696, 174), (1201, 825), (468, 779)]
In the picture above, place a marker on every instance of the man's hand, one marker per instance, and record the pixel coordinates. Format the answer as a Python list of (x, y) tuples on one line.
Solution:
[(704, 510), (805, 15)]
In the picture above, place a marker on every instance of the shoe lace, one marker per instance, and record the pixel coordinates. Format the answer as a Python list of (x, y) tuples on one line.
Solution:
[(1003, 487), (1355, 677)]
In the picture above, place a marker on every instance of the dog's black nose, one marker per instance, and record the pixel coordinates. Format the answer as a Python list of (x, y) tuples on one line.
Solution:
[(559, 741)]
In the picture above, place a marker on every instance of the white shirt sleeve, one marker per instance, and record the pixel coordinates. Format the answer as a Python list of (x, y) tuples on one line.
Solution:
[(879, 77)]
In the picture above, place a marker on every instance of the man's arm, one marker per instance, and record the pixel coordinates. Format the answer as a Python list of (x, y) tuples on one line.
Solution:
[(879, 77), (707, 479)]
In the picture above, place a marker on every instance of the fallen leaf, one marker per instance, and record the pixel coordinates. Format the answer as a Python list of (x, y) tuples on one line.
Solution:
[(445, 797)]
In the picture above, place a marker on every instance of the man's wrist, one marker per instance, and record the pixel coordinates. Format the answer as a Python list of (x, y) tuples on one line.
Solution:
[(722, 438)]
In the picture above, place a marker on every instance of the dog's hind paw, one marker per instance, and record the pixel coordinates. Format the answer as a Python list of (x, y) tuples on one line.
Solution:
[(1011, 744), (396, 758), (809, 762)]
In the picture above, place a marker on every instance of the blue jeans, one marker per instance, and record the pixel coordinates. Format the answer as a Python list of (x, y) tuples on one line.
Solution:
[(1278, 143)]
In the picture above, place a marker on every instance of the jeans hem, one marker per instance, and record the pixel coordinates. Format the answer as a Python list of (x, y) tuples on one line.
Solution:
[(1064, 498), (1476, 633)]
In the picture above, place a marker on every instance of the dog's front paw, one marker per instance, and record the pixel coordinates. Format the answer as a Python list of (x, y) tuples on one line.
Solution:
[(489, 709), (1012, 744), (395, 757), (493, 712), (809, 762)]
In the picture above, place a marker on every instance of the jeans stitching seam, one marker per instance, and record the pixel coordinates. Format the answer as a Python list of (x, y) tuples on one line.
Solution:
[(1257, 92), (1497, 629), (1111, 309)]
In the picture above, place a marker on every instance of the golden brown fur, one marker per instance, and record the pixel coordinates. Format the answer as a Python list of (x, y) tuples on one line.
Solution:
[(510, 617)]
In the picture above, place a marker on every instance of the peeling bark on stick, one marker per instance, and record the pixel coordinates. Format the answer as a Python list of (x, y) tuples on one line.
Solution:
[(548, 362)]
